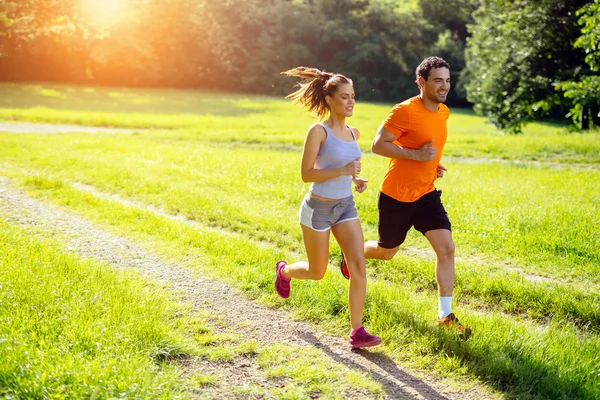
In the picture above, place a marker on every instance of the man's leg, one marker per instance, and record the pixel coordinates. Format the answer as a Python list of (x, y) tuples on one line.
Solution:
[(443, 245), (394, 221), (373, 250)]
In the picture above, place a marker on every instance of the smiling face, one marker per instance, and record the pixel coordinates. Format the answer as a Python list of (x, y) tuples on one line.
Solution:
[(342, 101), (435, 89)]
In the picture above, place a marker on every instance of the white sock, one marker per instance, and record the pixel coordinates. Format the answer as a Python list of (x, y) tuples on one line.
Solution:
[(444, 306)]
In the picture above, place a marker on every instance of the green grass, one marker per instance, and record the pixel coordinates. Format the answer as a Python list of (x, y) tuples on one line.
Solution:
[(523, 208), (250, 119), (75, 329), (401, 313)]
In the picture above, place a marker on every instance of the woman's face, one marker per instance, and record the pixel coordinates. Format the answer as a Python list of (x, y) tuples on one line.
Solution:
[(342, 101)]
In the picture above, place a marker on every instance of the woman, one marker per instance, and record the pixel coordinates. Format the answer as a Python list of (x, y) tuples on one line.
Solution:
[(331, 161)]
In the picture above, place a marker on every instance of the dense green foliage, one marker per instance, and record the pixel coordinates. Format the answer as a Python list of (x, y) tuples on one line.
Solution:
[(518, 55), (585, 94)]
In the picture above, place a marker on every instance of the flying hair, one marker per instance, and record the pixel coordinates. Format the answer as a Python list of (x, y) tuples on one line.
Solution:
[(314, 87)]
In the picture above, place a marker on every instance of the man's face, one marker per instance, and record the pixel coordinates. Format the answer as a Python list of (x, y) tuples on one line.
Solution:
[(437, 85)]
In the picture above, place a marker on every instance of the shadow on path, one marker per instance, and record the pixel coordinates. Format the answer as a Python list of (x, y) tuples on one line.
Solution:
[(396, 383)]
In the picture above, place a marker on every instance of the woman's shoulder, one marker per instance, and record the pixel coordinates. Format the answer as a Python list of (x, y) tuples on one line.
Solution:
[(355, 131), (317, 127), (317, 130)]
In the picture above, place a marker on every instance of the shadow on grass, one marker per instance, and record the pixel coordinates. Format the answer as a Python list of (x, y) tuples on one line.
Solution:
[(510, 367), (398, 385)]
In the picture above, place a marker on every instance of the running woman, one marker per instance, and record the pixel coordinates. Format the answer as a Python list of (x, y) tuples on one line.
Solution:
[(331, 161)]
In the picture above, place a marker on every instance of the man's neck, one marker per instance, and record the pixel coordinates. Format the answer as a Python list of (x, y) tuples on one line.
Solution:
[(430, 105)]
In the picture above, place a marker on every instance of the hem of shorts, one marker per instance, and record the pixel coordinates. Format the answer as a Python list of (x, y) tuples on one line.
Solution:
[(315, 229), (344, 220), (448, 228)]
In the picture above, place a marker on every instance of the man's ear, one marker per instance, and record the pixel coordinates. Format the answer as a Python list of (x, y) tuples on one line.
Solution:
[(421, 82)]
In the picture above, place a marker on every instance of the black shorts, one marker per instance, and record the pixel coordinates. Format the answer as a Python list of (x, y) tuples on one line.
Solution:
[(396, 217)]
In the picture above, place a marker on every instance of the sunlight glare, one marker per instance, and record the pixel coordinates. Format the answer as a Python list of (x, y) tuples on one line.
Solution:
[(103, 13)]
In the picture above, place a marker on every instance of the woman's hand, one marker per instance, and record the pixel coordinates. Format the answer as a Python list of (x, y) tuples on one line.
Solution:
[(360, 184), (352, 168)]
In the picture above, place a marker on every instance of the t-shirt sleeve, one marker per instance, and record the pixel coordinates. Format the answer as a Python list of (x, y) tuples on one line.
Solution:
[(397, 120)]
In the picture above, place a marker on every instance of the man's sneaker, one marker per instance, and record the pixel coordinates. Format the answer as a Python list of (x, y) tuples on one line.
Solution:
[(361, 338), (451, 322), (282, 284), (344, 268)]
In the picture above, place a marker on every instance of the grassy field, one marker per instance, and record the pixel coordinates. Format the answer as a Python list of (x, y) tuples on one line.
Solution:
[(525, 212), (77, 328)]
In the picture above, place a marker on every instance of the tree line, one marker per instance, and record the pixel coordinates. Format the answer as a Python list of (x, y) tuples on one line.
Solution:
[(514, 61)]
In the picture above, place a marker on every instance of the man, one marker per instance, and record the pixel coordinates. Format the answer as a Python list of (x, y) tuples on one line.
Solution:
[(413, 137)]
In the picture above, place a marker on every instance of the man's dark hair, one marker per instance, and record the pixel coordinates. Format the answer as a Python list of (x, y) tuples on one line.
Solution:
[(428, 64)]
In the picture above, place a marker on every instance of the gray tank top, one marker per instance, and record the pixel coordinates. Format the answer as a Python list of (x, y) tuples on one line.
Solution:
[(334, 153)]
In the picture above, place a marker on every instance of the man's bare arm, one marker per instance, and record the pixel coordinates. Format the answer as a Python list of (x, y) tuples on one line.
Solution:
[(384, 146)]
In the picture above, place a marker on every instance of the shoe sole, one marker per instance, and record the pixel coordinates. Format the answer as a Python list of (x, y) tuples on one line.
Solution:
[(366, 344), (347, 276)]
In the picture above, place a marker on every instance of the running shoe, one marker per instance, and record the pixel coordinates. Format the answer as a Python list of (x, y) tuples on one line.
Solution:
[(282, 284), (451, 322), (361, 338), (344, 268)]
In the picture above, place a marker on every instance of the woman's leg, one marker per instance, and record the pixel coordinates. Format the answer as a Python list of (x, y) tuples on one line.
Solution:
[(317, 251), (350, 238)]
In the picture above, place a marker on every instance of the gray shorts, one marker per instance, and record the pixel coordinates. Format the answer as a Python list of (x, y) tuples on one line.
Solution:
[(321, 215)]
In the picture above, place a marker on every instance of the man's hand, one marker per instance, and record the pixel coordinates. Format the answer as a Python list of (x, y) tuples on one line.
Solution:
[(425, 153), (440, 170)]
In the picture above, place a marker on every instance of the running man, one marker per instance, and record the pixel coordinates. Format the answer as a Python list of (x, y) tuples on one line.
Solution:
[(413, 137)]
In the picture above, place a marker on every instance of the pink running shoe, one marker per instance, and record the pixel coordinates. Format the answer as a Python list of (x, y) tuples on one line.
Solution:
[(282, 284), (361, 338)]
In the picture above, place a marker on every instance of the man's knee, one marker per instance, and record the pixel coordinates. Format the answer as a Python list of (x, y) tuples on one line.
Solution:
[(388, 254), (445, 250), (318, 273)]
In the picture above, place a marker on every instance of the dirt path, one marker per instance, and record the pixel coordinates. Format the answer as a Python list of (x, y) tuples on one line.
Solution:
[(250, 320), (37, 128)]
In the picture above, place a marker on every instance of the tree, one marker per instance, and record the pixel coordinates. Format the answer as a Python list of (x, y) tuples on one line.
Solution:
[(518, 52), (585, 94), (38, 32)]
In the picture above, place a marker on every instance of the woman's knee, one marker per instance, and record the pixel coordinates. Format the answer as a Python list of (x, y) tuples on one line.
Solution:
[(358, 271)]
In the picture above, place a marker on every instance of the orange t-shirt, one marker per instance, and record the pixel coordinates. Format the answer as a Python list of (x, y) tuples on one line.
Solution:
[(414, 125)]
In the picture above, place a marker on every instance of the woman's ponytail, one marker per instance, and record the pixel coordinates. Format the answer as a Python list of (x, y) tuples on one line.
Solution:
[(314, 87)]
